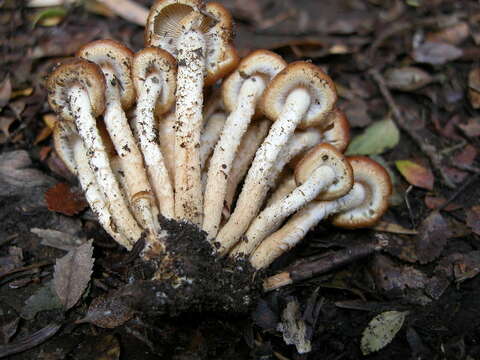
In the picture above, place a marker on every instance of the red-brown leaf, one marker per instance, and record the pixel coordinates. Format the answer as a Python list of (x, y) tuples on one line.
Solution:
[(415, 174), (61, 198)]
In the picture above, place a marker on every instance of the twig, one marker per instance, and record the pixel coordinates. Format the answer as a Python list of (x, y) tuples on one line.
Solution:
[(30, 341), (429, 150), (25, 268), (330, 261)]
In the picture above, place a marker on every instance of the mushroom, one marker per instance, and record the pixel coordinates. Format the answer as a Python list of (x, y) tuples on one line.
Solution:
[(72, 152), (337, 132), (154, 73), (210, 135), (300, 95), (361, 207), (251, 140), (76, 92), (115, 60), (199, 37), (241, 92), (323, 174)]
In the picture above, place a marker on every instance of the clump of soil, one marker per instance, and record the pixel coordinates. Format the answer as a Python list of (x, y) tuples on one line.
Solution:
[(197, 280)]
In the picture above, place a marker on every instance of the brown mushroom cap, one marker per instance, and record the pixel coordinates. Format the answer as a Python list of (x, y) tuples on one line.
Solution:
[(118, 57), (337, 132), (326, 155), (305, 75), (154, 60), (262, 63), (378, 186), (76, 72), (168, 19)]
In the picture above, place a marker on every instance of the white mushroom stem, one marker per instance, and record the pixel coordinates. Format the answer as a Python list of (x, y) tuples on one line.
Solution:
[(221, 162), (136, 186), (210, 135), (256, 184), (297, 227), (166, 134), (272, 217), (246, 151), (146, 129), (188, 127), (100, 165), (286, 186), (93, 194)]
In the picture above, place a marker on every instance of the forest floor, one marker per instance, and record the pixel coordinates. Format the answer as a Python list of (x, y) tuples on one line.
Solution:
[(408, 77)]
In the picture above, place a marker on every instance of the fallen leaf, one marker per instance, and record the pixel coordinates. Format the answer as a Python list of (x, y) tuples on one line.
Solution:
[(22, 92), (50, 16), (393, 228), (381, 330), (466, 156), (101, 347), (468, 267), (62, 199), (5, 91), (107, 312), (433, 234), (294, 328), (454, 174), (434, 202), (8, 329), (454, 34), (473, 219), (415, 174), (376, 139), (356, 111), (5, 123), (41, 300), (58, 239), (28, 342), (44, 152), (474, 87), (42, 135), (72, 274), (407, 78), (396, 279), (471, 128), (436, 53)]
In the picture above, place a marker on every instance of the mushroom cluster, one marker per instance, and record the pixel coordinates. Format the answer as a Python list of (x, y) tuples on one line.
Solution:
[(255, 165)]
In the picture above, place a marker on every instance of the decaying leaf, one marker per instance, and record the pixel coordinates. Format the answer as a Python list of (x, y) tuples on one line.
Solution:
[(471, 128), (416, 174), (381, 330), (473, 219), (101, 347), (108, 312), (376, 139), (474, 87), (294, 328), (72, 274), (62, 199), (432, 237), (434, 202), (5, 91), (393, 228), (8, 328), (436, 53), (43, 299), (58, 239), (454, 34), (407, 78), (468, 267)]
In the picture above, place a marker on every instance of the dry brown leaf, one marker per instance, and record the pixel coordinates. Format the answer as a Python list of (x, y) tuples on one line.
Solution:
[(454, 34), (434, 202), (407, 78), (62, 199), (473, 219), (416, 174), (5, 91), (433, 235), (436, 53), (471, 128), (107, 312), (393, 228), (72, 274)]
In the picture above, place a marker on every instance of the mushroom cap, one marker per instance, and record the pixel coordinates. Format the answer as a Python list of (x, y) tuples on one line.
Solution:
[(305, 75), (262, 63), (378, 187), (168, 19), (63, 146), (326, 155), (337, 132), (76, 72), (154, 60), (112, 54)]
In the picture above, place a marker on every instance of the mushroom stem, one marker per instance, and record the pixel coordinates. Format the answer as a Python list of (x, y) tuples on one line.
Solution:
[(256, 184), (210, 135), (272, 217), (137, 186), (100, 164), (166, 135), (295, 229), (221, 162), (94, 196), (285, 187), (188, 111), (146, 130), (251, 140)]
